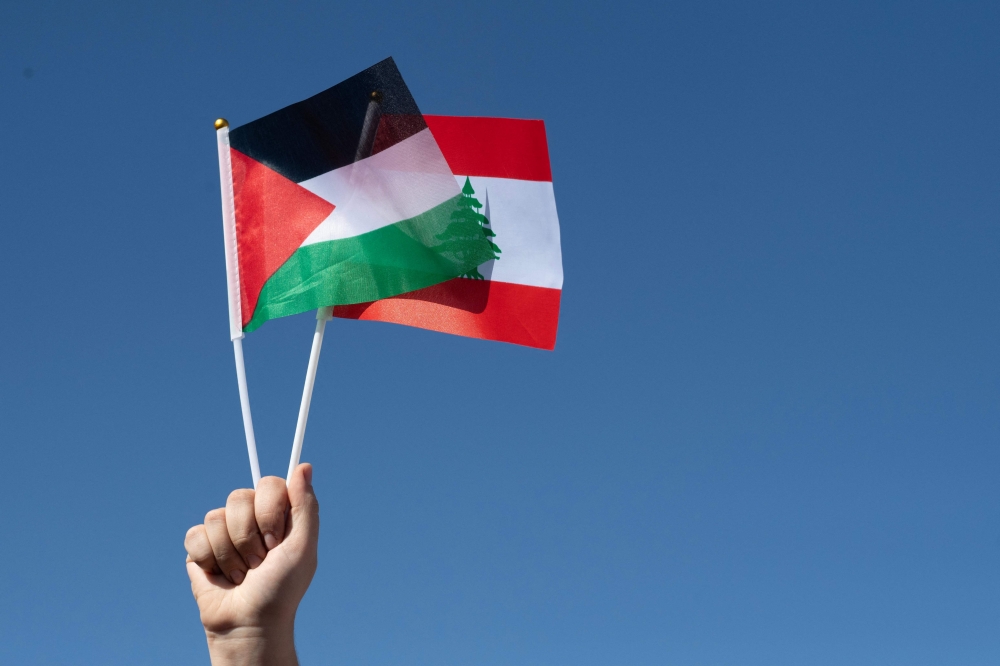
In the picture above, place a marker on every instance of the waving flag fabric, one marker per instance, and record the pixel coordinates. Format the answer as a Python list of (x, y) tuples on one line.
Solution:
[(342, 198), (502, 166)]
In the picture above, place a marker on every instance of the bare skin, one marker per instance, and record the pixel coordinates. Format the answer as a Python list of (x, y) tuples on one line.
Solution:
[(250, 564)]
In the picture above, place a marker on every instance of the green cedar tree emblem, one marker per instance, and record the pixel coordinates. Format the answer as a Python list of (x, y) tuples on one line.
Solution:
[(467, 228)]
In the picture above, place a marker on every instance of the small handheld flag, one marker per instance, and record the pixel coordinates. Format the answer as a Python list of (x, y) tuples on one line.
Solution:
[(503, 167)]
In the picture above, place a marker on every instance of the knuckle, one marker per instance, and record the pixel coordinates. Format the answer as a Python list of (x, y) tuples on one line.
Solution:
[(239, 530), (204, 560), (269, 517), (198, 550), (224, 555), (241, 496), (192, 534), (244, 541), (215, 516), (271, 482), (193, 548)]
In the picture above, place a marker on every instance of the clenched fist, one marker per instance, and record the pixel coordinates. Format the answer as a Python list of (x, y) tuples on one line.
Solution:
[(250, 564)]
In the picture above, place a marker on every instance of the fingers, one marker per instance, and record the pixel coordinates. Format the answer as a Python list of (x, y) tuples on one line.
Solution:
[(304, 513), (242, 527), (237, 538), (226, 556), (199, 549), (270, 507)]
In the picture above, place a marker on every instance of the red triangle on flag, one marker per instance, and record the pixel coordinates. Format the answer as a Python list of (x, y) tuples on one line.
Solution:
[(273, 216)]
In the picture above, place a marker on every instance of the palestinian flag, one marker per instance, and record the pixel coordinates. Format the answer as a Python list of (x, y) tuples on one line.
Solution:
[(502, 166), (342, 198)]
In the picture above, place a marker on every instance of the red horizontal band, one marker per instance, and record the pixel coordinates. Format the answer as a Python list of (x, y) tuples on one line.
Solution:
[(493, 147), (502, 311)]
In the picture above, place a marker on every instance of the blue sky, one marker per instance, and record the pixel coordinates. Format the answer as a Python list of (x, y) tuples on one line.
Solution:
[(767, 435)]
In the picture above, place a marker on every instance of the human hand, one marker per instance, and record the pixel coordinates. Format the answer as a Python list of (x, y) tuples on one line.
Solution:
[(250, 565)]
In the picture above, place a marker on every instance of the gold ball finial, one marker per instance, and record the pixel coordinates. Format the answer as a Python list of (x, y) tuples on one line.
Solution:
[(376, 97), (220, 123)]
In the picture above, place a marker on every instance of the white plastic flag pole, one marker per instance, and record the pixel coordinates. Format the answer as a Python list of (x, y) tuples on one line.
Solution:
[(241, 379), (233, 286), (323, 315)]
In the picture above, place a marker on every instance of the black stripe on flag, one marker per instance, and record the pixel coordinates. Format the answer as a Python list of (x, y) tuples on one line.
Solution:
[(365, 114)]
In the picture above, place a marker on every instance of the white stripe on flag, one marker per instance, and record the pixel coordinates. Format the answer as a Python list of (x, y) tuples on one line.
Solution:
[(522, 214), (395, 184)]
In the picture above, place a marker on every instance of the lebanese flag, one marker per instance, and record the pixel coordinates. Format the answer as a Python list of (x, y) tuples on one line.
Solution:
[(341, 198), (513, 298)]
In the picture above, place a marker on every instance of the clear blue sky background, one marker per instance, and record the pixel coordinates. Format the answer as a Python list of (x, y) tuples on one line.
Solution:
[(768, 434)]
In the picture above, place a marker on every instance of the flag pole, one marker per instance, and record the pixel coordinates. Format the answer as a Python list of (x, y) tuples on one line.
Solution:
[(241, 379), (323, 315), (233, 287)]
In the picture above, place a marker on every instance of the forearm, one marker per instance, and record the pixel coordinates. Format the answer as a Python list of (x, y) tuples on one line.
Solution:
[(253, 647)]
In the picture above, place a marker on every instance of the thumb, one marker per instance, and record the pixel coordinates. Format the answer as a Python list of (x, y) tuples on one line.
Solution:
[(304, 524)]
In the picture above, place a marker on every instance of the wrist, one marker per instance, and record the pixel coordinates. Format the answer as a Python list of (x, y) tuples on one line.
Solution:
[(253, 646)]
